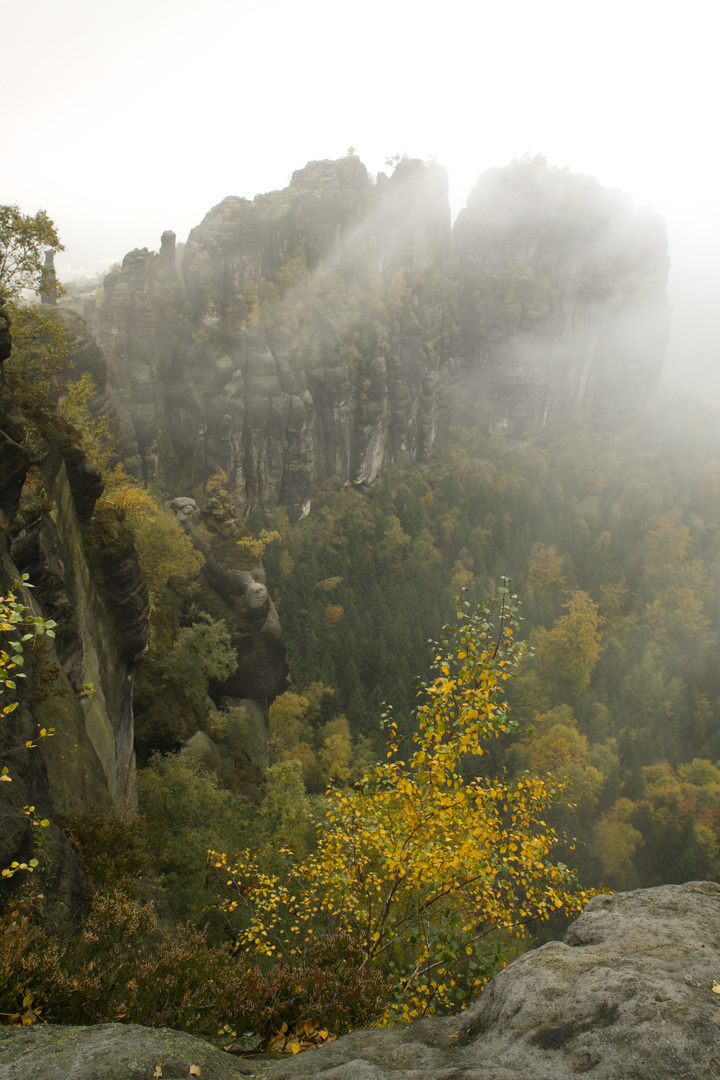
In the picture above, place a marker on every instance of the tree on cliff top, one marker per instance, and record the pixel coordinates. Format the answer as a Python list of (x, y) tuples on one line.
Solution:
[(24, 239)]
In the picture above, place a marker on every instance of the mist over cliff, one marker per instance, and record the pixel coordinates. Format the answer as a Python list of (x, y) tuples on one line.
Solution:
[(341, 324)]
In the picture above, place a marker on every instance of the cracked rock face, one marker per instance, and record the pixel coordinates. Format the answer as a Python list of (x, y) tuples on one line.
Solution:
[(628, 995), (340, 325)]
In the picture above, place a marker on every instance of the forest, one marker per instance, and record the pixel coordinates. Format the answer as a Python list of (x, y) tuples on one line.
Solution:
[(502, 697)]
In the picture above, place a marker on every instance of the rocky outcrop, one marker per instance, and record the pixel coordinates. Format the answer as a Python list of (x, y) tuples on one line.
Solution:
[(110, 1052), (563, 299), (142, 317), (337, 326), (240, 596), (628, 994), (297, 350)]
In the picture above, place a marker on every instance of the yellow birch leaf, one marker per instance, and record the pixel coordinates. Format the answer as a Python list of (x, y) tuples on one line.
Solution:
[(157, 1075), (295, 1047), (194, 1070), (716, 987)]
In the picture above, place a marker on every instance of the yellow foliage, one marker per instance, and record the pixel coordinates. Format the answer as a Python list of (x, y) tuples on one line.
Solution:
[(165, 552), (290, 734), (337, 751), (98, 439), (254, 546), (569, 651), (615, 841), (333, 614), (546, 571), (287, 725), (417, 863), (17, 619), (219, 481)]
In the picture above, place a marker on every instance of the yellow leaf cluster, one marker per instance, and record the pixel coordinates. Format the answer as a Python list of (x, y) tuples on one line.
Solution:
[(16, 617)]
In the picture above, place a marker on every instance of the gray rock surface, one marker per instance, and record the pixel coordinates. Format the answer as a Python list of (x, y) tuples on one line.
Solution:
[(200, 748), (110, 1052), (246, 606), (628, 995)]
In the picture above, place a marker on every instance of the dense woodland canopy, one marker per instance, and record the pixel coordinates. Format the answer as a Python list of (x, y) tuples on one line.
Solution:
[(612, 545)]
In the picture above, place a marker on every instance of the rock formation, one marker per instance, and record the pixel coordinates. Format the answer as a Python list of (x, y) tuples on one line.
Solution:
[(48, 287), (110, 1052), (339, 325), (628, 995), (80, 684), (563, 298), (246, 607)]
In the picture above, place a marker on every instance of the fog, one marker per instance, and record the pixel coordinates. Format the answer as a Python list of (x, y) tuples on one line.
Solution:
[(126, 121)]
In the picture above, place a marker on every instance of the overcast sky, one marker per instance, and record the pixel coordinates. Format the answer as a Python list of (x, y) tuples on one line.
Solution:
[(122, 120)]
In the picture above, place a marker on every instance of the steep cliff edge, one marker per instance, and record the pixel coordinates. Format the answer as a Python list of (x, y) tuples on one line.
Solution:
[(80, 684), (86, 575), (339, 325)]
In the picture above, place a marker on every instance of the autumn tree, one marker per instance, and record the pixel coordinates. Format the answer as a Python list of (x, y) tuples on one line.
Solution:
[(428, 872), (566, 655), (24, 239)]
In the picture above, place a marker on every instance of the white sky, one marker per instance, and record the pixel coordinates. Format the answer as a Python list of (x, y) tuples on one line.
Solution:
[(122, 120)]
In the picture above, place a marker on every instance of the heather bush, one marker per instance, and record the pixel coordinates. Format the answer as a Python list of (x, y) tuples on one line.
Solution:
[(116, 969)]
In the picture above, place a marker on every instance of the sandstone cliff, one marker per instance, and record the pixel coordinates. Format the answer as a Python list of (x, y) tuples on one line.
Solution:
[(80, 684), (339, 325), (85, 574)]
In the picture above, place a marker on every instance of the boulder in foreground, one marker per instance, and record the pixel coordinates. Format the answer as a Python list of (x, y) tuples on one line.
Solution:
[(628, 995)]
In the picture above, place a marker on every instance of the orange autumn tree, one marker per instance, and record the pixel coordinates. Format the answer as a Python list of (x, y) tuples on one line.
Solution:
[(430, 872)]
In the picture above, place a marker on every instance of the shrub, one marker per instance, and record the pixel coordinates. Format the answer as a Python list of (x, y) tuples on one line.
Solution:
[(114, 971)]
